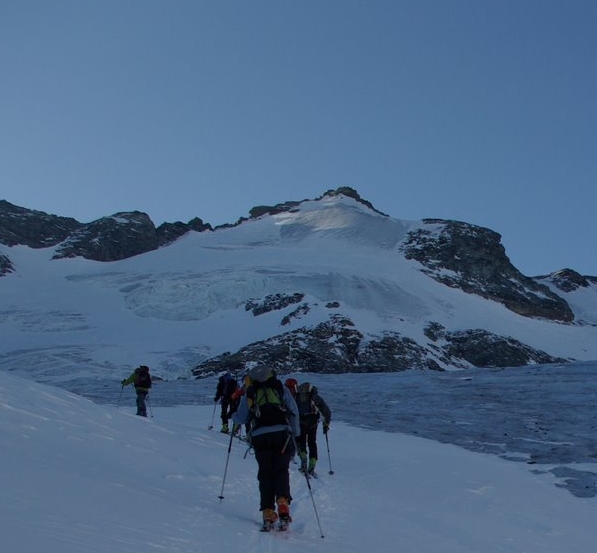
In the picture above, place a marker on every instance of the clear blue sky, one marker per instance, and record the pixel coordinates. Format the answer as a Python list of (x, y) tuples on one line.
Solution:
[(476, 110)]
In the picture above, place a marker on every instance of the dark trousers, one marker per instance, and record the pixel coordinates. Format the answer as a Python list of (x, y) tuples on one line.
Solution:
[(273, 452), (141, 407), (308, 438), (228, 407)]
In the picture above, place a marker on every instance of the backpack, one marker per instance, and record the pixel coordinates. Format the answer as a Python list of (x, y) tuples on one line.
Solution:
[(229, 385), (266, 403), (142, 377), (305, 401)]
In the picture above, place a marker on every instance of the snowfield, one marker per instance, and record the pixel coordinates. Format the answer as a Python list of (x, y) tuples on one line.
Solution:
[(78, 477)]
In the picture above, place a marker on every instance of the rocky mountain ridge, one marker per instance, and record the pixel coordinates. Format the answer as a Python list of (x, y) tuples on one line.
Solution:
[(111, 238)]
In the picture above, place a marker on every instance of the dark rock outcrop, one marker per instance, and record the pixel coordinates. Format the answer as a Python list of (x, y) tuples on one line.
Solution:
[(169, 232), (120, 236), (35, 229), (5, 265), (330, 347), (484, 349), (337, 346), (568, 280), (111, 238), (472, 258), (273, 302)]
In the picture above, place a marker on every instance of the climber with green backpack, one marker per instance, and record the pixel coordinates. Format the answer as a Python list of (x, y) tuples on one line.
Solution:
[(142, 382), (272, 415)]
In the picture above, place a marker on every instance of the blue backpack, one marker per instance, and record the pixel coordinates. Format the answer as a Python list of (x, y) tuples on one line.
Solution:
[(229, 385), (305, 400)]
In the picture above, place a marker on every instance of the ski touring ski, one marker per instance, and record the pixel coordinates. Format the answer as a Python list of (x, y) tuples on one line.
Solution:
[(309, 473), (267, 526), (279, 526), (283, 525)]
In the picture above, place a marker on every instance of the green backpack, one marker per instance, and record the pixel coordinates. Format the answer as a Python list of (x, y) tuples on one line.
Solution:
[(266, 403)]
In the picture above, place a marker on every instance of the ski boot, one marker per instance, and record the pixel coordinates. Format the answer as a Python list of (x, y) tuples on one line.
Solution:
[(269, 519), (284, 513), (303, 467)]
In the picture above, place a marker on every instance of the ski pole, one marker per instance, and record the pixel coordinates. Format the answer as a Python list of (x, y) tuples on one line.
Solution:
[(120, 398), (314, 506), (221, 496), (310, 492), (210, 427), (327, 442), (149, 405)]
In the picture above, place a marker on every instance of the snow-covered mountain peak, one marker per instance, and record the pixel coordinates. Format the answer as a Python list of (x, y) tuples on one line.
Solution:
[(323, 285), (340, 218)]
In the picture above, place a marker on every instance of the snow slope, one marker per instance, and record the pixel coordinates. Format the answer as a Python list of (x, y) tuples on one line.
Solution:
[(83, 478)]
